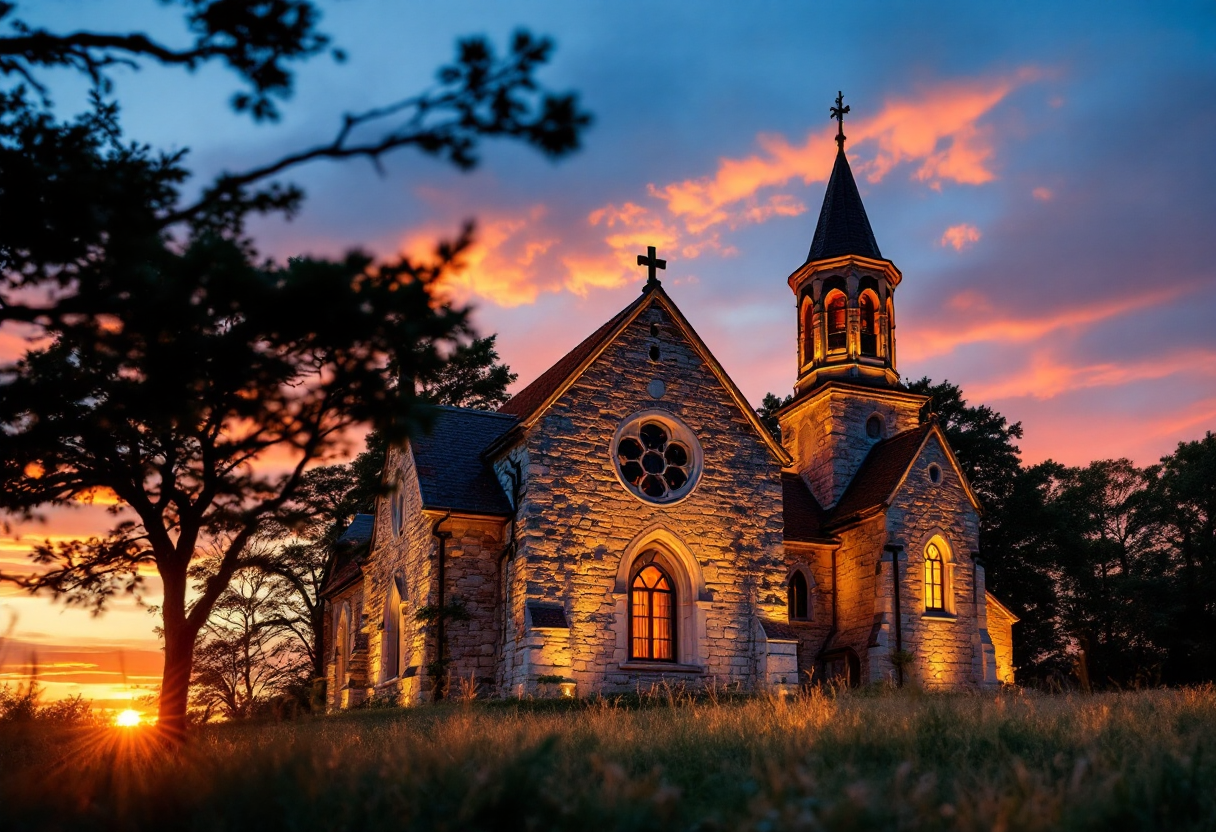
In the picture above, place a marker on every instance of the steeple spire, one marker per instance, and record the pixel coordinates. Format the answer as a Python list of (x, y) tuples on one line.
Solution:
[(843, 226)]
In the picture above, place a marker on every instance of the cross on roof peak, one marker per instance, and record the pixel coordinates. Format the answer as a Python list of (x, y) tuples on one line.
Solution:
[(651, 261), (838, 113)]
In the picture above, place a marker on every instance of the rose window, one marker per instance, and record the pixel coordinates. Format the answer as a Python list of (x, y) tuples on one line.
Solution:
[(657, 458)]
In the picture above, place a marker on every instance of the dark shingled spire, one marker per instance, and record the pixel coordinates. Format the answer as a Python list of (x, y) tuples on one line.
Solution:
[(843, 226)]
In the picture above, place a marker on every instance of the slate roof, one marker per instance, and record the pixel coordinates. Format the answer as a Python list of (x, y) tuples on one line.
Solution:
[(527, 401), (547, 617), (776, 631), (804, 518), (843, 226), (349, 550), (451, 472), (880, 472)]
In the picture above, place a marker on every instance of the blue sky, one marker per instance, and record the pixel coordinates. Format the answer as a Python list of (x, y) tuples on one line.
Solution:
[(1042, 174)]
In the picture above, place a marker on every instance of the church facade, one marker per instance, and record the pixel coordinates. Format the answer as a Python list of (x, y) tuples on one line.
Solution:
[(626, 519)]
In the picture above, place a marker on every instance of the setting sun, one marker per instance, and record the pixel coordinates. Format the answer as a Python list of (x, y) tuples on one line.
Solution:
[(128, 719)]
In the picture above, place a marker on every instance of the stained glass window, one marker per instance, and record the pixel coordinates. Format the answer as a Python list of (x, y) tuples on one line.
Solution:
[(652, 615)]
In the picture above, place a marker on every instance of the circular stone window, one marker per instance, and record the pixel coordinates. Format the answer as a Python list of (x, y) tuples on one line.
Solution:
[(656, 457), (874, 427), (935, 474)]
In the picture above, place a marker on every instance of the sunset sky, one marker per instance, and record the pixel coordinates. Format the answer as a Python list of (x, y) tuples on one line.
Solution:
[(1043, 174)]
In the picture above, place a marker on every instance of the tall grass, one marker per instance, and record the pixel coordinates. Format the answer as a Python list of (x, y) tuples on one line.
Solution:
[(1137, 760)]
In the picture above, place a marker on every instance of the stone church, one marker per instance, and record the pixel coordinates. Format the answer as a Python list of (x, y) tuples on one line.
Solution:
[(626, 519)]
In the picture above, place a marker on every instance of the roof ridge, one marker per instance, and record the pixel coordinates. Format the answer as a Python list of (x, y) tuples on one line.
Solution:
[(473, 410)]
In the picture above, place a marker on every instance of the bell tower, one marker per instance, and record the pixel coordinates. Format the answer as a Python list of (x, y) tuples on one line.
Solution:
[(845, 290), (847, 396)]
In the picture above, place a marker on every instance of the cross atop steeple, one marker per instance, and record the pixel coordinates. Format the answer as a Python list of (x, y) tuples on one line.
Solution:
[(651, 261), (838, 113)]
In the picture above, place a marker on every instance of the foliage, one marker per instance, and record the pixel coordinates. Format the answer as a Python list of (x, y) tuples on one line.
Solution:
[(23, 704), (252, 647), (169, 359), (768, 412), (816, 761)]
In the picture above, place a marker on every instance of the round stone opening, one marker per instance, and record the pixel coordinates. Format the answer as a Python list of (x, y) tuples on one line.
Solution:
[(874, 427), (935, 474), (657, 457)]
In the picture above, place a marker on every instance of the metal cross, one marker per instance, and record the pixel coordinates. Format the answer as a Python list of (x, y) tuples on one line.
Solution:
[(838, 113), (651, 262)]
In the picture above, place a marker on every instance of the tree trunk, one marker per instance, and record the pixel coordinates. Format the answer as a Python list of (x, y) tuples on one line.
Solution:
[(175, 683)]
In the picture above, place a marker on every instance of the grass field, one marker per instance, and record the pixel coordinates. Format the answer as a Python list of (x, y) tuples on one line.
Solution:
[(1010, 761)]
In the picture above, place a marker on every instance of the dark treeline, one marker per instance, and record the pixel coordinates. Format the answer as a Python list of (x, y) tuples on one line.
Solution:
[(1111, 567)]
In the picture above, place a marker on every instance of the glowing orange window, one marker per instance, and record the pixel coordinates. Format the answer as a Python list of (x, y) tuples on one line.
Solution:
[(868, 312), (935, 595), (652, 616), (837, 317)]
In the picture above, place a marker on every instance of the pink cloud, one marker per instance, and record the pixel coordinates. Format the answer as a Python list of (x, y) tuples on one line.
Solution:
[(939, 127), (981, 324), (1048, 376), (960, 236), (1043, 194)]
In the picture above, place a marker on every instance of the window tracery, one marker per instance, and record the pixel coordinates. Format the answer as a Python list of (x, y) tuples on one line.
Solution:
[(657, 457), (652, 615), (935, 579)]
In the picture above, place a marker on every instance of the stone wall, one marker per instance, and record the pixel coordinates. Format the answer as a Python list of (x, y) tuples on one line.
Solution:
[(1000, 628), (579, 520), (949, 649), (863, 598), (826, 434), (816, 563)]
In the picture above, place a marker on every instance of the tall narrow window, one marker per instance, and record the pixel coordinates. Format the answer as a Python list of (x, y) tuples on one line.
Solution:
[(935, 580), (390, 646), (868, 312), (652, 615), (837, 317), (808, 332), (342, 644), (798, 605)]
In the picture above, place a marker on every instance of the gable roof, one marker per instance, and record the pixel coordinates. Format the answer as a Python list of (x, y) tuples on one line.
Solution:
[(532, 398), (348, 552), (804, 517), (452, 475), (884, 469), (531, 402), (843, 226)]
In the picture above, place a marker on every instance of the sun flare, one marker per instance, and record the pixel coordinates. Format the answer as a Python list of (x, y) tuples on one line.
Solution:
[(128, 719)]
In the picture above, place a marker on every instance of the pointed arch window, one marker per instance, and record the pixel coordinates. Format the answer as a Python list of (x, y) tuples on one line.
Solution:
[(837, 316), (868, 313), (935, 579), (798, 604), (890, 333), (652, 615), (390, 644), (342, 647), (808, 331)]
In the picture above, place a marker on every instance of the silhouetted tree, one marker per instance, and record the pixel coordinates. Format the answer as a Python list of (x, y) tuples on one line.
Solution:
[(169, 358), (767, 411)]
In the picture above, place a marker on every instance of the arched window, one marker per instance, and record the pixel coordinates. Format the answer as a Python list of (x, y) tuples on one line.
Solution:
[(868, 312), (890, 332), (342, 647), (935, 579), (808, 331), (798, 605), (390, 644), (837, 321), (652, 615)]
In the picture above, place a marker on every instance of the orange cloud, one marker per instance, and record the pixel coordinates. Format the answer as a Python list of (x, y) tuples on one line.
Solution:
[(959, 236), (938, 127), (501, 265), (979, 326), (1047, 377)]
